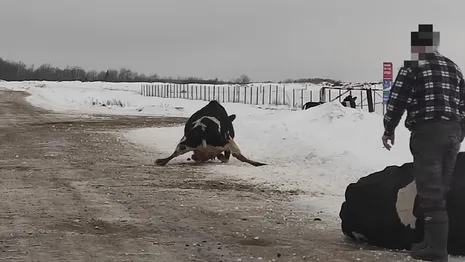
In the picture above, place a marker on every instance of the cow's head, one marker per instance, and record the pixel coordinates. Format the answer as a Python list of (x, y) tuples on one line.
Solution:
[(350, 101)]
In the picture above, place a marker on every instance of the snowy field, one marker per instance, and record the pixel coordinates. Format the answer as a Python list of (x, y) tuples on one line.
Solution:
[(318, 151)]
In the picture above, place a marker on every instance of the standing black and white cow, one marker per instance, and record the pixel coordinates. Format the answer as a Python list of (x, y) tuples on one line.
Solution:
[(349, 101), (208, 133)]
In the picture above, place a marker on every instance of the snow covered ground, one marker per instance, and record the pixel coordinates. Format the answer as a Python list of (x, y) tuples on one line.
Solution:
[(318, 151)]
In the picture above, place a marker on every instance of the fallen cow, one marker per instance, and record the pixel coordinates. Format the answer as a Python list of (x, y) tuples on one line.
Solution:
[(380, 209), (208, 133), (349, 101)]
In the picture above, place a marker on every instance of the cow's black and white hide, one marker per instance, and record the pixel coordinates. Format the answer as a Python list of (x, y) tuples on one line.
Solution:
[(349, 101), (380, 209), (208, 133)]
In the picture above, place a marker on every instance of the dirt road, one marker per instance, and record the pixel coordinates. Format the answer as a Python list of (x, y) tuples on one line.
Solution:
[(72, 190)]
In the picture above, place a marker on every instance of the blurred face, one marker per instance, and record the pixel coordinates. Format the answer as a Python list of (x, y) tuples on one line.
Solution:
[(418, 49)]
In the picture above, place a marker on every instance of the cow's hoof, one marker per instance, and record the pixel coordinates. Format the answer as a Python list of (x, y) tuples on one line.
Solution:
[(160, 162), (259, 164), (222, 158)]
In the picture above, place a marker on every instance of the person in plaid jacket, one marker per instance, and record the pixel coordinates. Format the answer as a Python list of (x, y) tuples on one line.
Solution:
[(431, 89)]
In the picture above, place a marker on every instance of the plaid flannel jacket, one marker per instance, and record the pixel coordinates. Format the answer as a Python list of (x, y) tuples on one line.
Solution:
[(433, 90)]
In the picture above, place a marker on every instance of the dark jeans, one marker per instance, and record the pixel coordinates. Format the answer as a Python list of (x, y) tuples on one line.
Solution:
[(434, 146)]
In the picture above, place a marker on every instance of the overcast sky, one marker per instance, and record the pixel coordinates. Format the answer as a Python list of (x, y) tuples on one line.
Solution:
[(265, 39)]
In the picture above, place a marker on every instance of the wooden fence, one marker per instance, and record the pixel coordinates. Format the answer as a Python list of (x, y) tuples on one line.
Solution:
[(272, 94)]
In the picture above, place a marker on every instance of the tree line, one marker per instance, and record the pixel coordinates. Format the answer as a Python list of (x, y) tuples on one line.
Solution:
[(19, 71)]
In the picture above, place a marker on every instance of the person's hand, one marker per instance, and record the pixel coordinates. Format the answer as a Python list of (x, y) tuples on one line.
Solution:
[(386, 138)]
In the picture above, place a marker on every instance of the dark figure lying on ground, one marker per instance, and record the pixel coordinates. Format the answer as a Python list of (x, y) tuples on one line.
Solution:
[(348, 101), (208, 133), (382, 209)]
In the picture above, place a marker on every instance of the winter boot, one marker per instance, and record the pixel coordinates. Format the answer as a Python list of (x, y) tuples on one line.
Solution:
[(434, 244)]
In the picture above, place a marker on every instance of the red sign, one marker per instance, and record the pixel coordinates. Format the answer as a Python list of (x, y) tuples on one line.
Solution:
[(387, 70)]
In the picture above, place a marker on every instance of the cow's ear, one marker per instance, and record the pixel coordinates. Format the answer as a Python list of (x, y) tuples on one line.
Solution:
[(232, 117), (354, 98)]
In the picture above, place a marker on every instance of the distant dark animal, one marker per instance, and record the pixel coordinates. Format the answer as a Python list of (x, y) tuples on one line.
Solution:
[(349, 101), (381, 209), (311, 104), (208, 133)]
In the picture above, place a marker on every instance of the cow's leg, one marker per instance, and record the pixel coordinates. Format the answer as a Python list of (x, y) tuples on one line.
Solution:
[(236, 152), (224, 158), (180, 150)]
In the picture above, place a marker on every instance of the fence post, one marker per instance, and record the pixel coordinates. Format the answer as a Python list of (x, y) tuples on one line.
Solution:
[(301, 97), (284, 94), (256, 97), (251, 95), (293, 97), (361, 99), (370, 100), (269, 96), (277, 94), (262, 89), (374, 101), (214, 92), (239, 94), (204, 92)]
